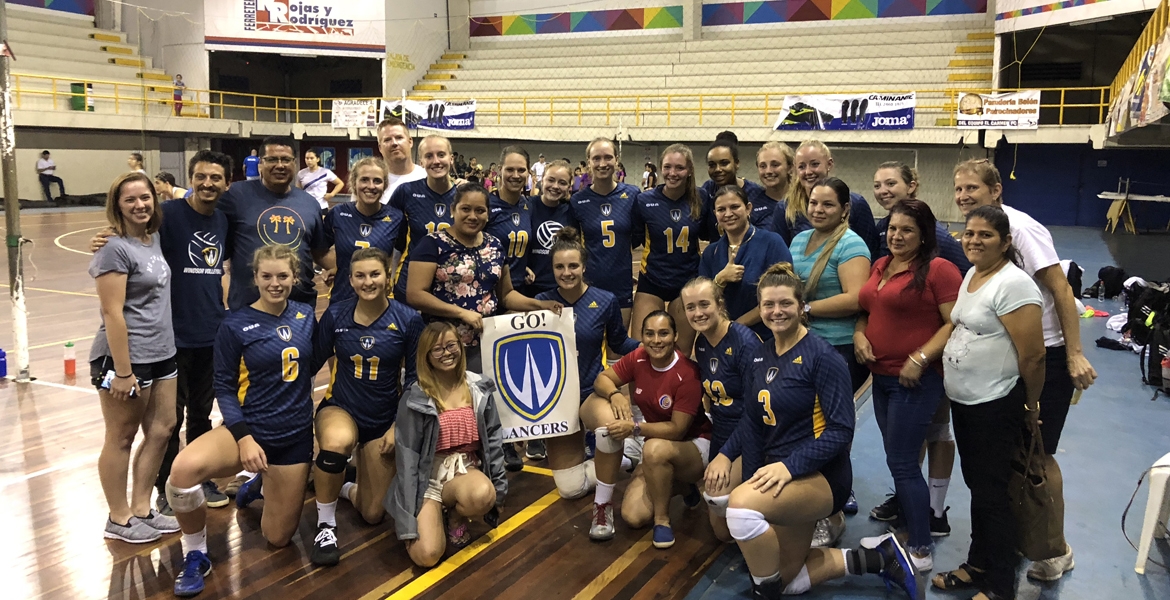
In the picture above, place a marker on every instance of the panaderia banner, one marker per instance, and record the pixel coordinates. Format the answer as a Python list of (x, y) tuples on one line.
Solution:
[(836, 112), (310, 27), (1007, 110), (432, 114), (533, 359)]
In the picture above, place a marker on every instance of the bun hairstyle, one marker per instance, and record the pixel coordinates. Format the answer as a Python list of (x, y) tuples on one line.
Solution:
[(568, 238), (782, 274), (464, 191), (906, 173), (797, 195), (690, 193), (998, 220), (659, 313), (729, 140), (716, 292), (842, 192)]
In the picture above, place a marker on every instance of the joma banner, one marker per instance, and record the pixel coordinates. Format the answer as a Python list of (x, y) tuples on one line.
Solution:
[(533, 359), (432, 114), (832, 112)]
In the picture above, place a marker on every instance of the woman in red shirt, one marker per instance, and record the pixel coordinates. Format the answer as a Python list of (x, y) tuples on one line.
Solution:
[(900, 335), (678, 435)]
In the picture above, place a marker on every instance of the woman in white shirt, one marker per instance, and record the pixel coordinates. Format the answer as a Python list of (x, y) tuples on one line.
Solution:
[(315, 179), (993, 373)]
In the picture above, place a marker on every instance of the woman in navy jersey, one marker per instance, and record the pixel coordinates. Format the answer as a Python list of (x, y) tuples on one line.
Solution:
[(814, 162), (723, 169), (604, 213), (461, 274), (550, 213), (450, 464), (666, 389), (599, 329), (510, 220), (735, 261), (374, 340), (363, 223), (795, 435), (425, 204), (774, 165), (724, 351), (671, 217), (264, 370)]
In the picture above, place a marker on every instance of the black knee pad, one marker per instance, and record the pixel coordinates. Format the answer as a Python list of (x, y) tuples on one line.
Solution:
[(331, 462)]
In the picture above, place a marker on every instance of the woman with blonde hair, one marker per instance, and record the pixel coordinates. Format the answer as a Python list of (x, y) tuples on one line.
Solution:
[(775, 168), (363, 223), (449, 451)]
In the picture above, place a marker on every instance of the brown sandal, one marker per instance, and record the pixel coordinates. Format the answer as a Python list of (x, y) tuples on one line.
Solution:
[(951, 580)]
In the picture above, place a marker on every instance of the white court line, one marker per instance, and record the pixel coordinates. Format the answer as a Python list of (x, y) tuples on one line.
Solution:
[(62, 386), (57, 240)]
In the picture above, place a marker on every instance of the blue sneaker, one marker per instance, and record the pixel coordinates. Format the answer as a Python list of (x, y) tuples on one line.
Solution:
[(663, 536), (250, 491), (898, 570), (692, 499), (196, 566), (850, 507)]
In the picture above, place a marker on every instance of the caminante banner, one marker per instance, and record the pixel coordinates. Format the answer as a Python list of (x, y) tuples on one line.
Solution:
[(432, 114), (533, 359), (836, 112), (310, 27)]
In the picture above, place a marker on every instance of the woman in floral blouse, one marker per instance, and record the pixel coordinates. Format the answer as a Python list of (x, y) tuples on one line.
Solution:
[(461, 274)]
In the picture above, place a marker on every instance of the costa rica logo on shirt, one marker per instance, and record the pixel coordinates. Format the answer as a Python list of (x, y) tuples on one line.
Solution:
[(284, 332), (516, 219), (204, 249), (366, 341), (675, 215), (714, 364), (606, 209), (665, 401), (365, 229), (440, 210), (281, 225), (530, 371)]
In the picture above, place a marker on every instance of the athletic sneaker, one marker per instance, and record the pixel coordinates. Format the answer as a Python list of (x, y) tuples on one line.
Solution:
[(250, 491), (940, 526), (769, 590), (922, 565), (458, 530), (164, 507), (827, 534), (534, 450), (897, 569), (590, 444), (663, 536), (512, 460), (1052, 569), (850, 507), (888, 510), (215, 498), (234, 485), (196, 566), (134, 532), (160, 522), (601, 528), (325, 552)]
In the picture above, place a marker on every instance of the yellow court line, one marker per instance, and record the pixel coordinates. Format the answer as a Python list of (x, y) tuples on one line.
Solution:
[(33, 289), (616, 568), (60, 343), (538, 470), (445, 568)]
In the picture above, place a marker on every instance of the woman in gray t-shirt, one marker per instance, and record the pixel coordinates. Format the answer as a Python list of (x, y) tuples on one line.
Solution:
[(132, 360)]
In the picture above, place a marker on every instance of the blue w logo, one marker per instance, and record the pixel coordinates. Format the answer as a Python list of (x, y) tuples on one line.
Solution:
[(530, 368)]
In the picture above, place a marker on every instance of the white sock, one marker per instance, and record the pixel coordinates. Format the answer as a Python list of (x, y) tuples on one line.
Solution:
[(346, 488), (627, 464), (247, 474), (938, 495), (762, 580), (195, 541), (326, 513), (603, 494)]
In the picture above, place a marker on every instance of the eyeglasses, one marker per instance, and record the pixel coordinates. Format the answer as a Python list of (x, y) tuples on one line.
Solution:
[(450, 348), (284, 160)]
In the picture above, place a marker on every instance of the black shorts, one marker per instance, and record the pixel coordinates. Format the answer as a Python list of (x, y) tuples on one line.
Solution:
[(666, 294), (365, 434), (297, 451), (146, 373)]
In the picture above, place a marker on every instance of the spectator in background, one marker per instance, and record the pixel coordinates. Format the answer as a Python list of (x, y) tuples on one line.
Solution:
[(178, 94), (315, 179), (136, 163), (538, 167), (252, 166), (621, 173), (164, 183), (46, 170), (650, 177)]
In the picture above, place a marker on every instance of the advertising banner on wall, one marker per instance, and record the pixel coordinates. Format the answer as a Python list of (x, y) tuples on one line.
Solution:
[(432, 114), (355, 113), (311, 27), (835, 112), (533, 359), (1008, 110)]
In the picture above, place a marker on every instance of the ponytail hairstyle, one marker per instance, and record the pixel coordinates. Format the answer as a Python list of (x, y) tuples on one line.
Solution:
[(372, 253), (512, 149), (785, 152), (658, 313), (782, 274), (906, 173), (568, 239), (428, 380), (818, 269), (998, 220), (276, 252), (726, 139), (797, 195), (925, 222), (690, 191), (716, 292)]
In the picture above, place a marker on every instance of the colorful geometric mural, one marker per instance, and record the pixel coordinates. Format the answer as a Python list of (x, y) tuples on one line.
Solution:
[(787, 11), (1055, 6), (80, 7), (664, 17)]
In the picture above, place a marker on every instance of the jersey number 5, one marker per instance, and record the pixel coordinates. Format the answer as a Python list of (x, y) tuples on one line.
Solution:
[(289, 367), (765, 398), (608, 237)]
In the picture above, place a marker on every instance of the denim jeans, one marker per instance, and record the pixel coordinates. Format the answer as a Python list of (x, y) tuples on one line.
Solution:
[(903, 415)]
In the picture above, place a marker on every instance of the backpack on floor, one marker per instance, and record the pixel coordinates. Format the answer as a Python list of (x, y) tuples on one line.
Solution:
[(1154, 351), (1147, 306), (1113, 278)]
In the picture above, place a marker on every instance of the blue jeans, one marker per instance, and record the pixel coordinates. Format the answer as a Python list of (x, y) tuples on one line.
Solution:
[(903, 414)]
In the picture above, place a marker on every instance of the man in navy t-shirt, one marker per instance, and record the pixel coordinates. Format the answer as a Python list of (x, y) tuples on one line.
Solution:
[(272, 211)]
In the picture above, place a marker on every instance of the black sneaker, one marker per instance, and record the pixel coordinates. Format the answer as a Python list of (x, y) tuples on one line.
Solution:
[(512, 460), (325, 552), (940, 526), (888, 510), (535, 450), (770, 590)]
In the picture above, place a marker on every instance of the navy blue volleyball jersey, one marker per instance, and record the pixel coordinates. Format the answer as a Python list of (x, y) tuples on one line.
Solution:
[(598, 326), (547, 221), (799, 410), (607, 224), (725, 370), (374, 364), (670, 250), (426, 211), (264, 371), (762, 206), (511, 225), (347, 230)]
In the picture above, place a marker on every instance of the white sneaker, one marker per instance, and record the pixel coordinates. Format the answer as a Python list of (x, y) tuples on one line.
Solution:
[(601, 528), (1052, 569)]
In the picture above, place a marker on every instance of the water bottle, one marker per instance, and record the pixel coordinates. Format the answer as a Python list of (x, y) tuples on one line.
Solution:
[(1166, 373), (70, 360), (1100, 291), (3, 364)]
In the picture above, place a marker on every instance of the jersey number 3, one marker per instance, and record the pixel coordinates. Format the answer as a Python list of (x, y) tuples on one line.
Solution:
[(765, 398), (289, 367)]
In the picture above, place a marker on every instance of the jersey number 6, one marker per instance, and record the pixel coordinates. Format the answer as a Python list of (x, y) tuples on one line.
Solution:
[(289, 367)]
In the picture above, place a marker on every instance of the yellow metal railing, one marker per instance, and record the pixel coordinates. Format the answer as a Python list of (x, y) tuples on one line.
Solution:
[(1155, 27), (1059, 106)]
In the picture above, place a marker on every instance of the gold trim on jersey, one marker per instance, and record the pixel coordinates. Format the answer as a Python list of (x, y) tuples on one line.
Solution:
[(244, 382), (818, 418)]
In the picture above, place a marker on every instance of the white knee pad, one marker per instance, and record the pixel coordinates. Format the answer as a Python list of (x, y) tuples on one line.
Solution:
[(717, 504), (575, 482), (604, 443), (799, 585), (939, 432), (184, 500), (745, 524)]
